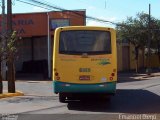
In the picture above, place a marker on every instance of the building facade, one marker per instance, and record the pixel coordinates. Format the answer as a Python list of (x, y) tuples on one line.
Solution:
[(35, 38)]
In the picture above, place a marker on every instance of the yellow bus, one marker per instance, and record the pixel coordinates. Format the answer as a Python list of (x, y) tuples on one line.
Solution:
[(84, 61)]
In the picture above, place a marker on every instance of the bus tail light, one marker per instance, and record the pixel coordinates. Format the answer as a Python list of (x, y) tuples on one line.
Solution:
[(57, 78), (56, 74), (113, 74)]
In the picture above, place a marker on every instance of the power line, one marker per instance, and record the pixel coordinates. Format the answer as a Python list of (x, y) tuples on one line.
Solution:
[(45, 7), (33, 4), (48, 6)]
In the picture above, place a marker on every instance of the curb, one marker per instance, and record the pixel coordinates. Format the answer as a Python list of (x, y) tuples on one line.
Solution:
[(5, 95)]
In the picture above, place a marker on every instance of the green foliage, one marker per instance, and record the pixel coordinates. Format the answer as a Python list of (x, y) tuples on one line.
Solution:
[(11, 45), (8, 48), (11, 52), (8, 51), (136, 30)]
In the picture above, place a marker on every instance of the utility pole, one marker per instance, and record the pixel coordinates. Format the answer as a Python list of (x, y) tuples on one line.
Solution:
[(10, 61), (9, 16), (3, 63), (149, 42)]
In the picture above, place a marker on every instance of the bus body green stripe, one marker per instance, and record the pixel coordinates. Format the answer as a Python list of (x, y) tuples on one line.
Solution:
[(60, 87)]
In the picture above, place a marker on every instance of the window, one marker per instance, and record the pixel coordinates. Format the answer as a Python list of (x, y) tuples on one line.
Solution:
[(85, 41)]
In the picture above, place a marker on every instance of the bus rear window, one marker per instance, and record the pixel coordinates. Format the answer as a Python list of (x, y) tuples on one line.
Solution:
[(85, 41)]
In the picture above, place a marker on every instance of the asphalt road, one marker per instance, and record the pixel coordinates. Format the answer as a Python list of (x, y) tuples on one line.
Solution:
[(138, 98)]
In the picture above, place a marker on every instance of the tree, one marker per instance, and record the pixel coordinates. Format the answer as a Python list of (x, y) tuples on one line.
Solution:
[(8, 54), (11, 53), (1, 83), (156, 38), (136, 31), (2, 58)]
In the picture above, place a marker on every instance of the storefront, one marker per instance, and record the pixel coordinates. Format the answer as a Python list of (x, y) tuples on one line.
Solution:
[(35, 38)]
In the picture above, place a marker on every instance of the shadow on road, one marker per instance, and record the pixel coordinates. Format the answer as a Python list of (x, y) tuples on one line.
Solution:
[(131, 77), (125, 101)]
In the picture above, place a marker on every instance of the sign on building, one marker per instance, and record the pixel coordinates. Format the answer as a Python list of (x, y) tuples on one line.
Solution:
[(59, 23)]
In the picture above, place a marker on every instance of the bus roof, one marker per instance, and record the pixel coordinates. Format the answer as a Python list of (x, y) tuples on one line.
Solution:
[(85, 28)]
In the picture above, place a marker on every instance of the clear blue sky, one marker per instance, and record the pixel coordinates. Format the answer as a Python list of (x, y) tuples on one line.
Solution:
[(112, 10)]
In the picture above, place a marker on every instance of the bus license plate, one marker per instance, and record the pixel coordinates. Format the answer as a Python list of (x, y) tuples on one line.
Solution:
[(84, 77)]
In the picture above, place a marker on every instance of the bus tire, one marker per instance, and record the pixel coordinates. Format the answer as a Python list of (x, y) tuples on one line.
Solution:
[(107, 98), (62, 98)]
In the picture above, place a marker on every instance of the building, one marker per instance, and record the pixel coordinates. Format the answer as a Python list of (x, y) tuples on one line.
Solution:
[(35, 38), (126, 57)]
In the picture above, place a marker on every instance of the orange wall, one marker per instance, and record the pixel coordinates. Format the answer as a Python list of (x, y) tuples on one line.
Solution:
[(76, 17), (30, 24), (36, 24)]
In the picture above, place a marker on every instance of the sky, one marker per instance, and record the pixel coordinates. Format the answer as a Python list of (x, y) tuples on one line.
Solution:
[(110, 10)]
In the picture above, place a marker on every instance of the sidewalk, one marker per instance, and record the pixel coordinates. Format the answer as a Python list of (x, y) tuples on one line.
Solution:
[(133, 76), (6, 94)]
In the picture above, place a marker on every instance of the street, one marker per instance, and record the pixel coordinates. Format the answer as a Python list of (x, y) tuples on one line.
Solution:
[(90, 50), (135, 97)]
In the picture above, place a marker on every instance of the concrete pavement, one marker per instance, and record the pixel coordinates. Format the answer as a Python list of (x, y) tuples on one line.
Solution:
[(134, 96), (5, 94)]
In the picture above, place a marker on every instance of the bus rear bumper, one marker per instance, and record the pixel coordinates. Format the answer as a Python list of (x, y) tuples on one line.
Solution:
[(62, 87)]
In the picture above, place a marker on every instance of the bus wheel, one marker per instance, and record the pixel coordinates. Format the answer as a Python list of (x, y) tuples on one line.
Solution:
[(62, 98), (107, 98)]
